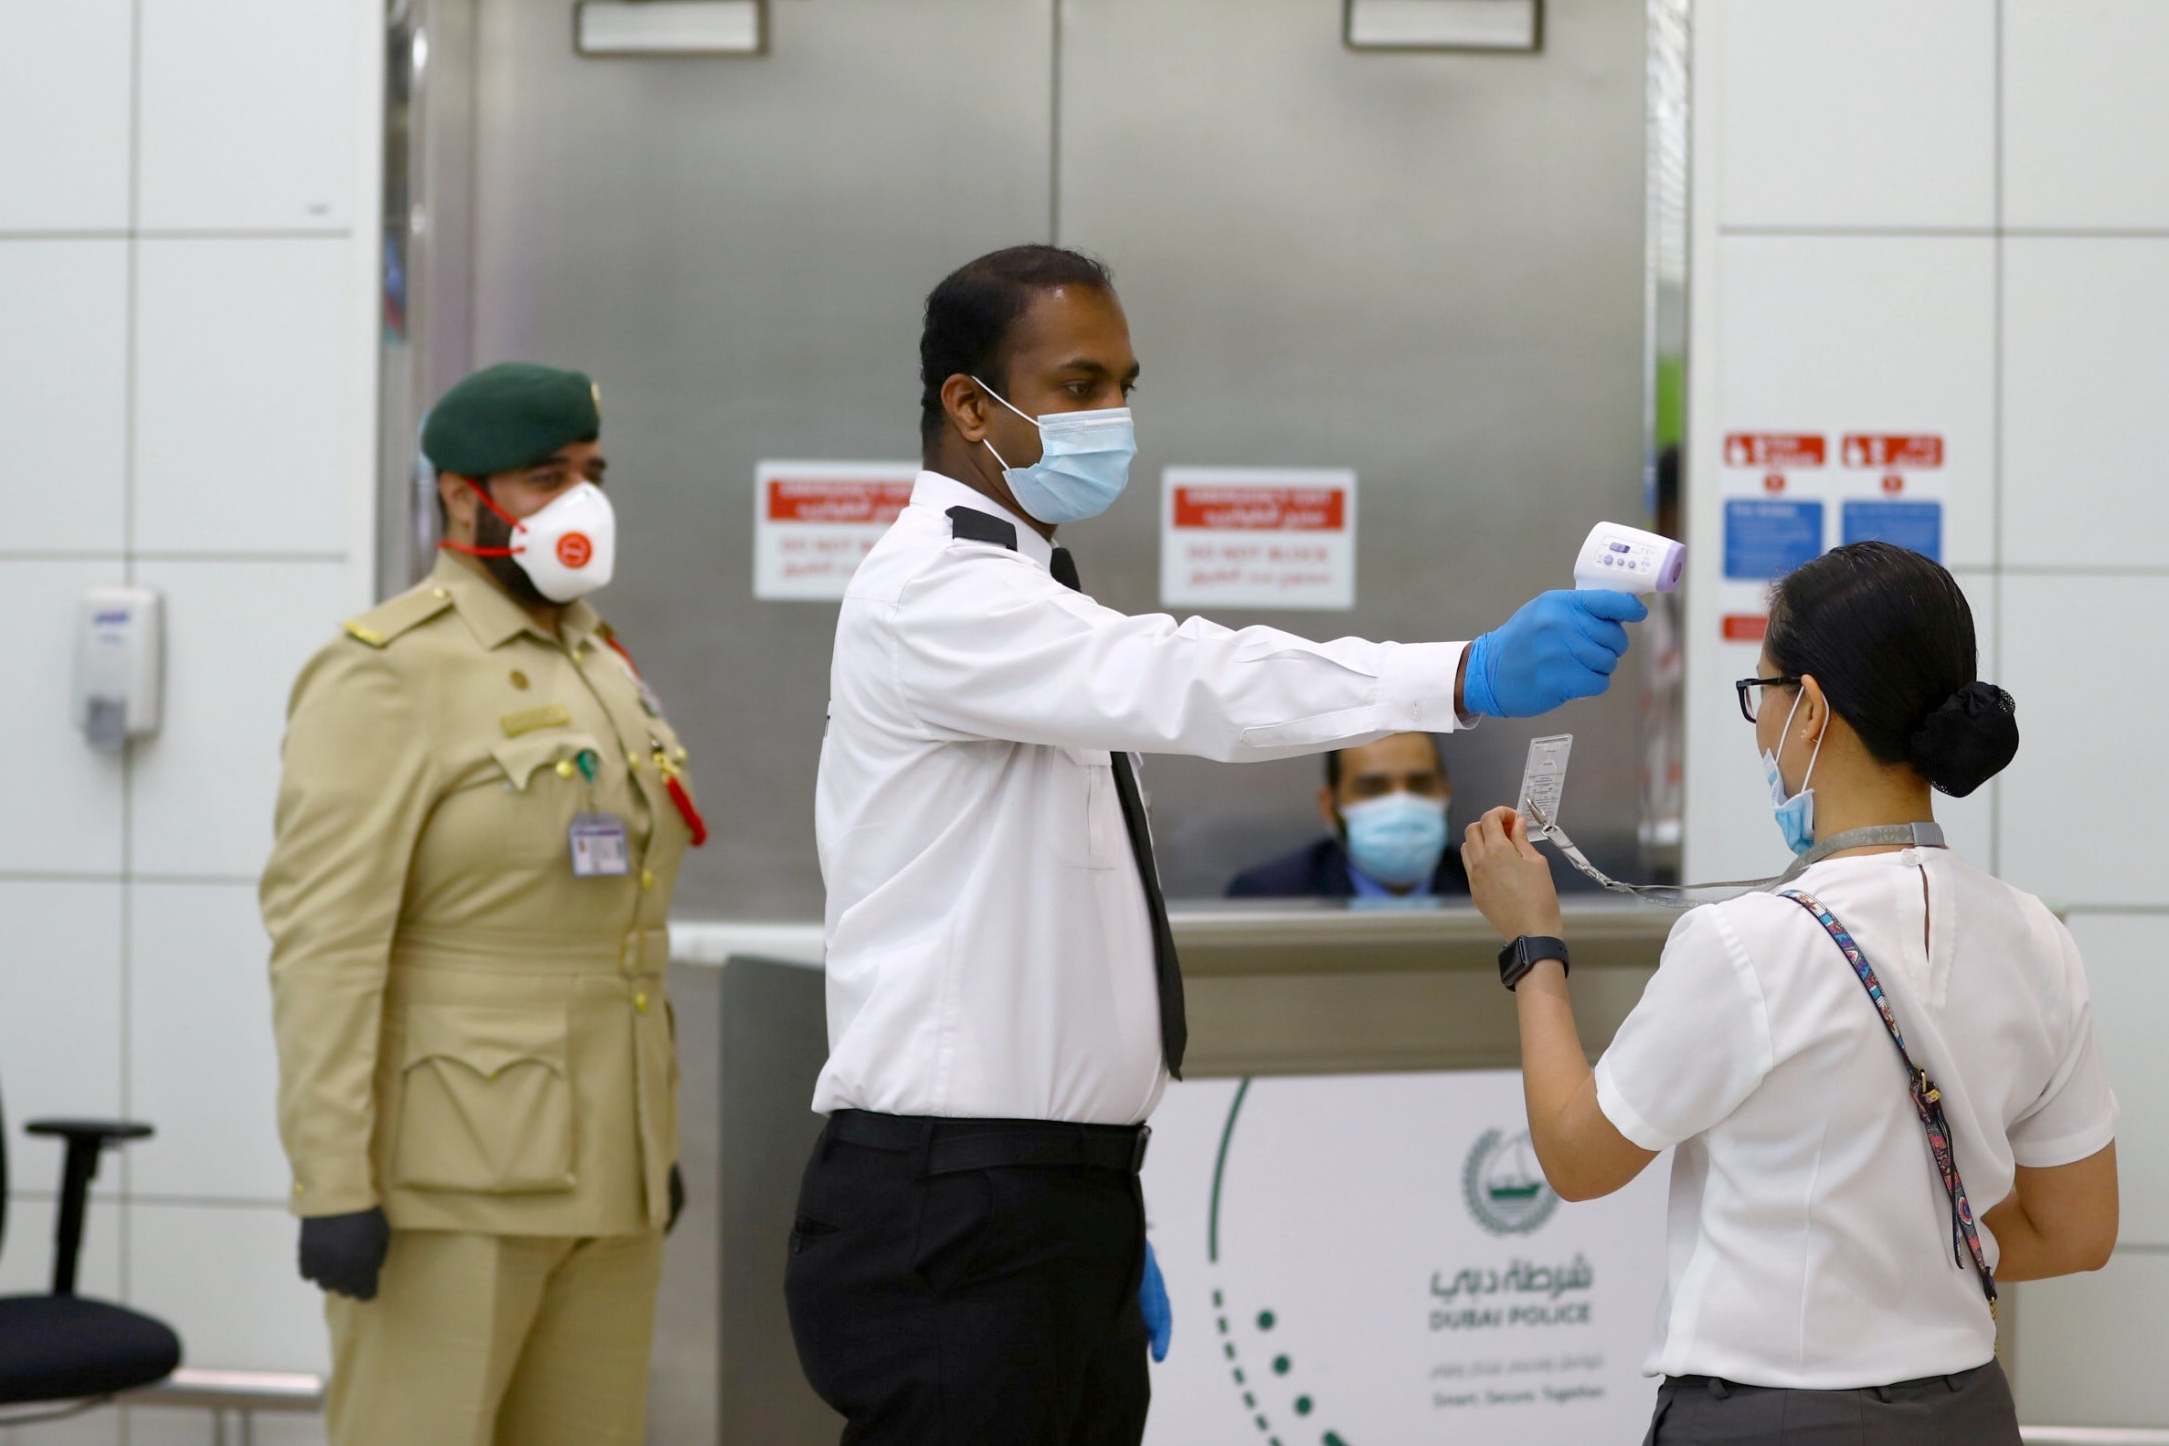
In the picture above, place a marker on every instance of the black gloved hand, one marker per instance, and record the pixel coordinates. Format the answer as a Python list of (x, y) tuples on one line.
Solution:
[(343, 1253), (677, 1198)]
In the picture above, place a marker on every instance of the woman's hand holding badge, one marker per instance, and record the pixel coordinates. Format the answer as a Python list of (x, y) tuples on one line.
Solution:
[(1510, 880)]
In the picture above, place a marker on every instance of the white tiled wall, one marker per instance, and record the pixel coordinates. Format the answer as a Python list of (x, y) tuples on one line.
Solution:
[(1859, 113), (64, 79), (2080, 791), (64, 373), (204, 787), (60, 1003), (2084, 114), (2089, 1346), (262, 467), (27, 1266), (200, 1045), (188, 257), (1869, 333), (2084, 322), (224, 1274), (2123, 955), (271, 146), (65, 813), (1865, 256)]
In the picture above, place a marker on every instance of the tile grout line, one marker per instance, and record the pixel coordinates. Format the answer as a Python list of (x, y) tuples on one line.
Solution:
[(57, 876), (1996, 404), (2082, 233), (129, 388), (182, 233), (175, 555)]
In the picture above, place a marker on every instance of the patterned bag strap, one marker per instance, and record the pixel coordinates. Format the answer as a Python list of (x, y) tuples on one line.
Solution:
[(1927, 1099)]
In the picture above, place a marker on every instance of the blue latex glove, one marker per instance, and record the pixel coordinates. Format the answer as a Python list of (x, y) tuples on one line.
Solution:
[(1152, 1300), (1559, 647)]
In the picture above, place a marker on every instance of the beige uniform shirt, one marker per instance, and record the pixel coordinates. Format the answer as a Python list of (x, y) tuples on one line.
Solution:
[(469, 1034)]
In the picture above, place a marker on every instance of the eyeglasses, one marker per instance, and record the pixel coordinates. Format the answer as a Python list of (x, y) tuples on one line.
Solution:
[(1750, 700)]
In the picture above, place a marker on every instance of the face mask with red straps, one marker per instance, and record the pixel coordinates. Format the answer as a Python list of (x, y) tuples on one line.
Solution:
[(568, 549)]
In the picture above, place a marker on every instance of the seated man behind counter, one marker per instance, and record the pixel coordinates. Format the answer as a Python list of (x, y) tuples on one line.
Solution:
[(1385, 804)]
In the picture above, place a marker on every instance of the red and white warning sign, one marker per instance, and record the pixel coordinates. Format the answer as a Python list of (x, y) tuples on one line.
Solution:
[(1897, 452), (1776, 450), (814, 521), (1264, 537)]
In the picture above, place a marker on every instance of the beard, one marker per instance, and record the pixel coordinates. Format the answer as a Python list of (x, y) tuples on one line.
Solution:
[(490, 530)]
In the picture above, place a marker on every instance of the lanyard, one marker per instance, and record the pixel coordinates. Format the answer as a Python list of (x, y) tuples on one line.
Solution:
[(1927, 1099), (1687, 896)]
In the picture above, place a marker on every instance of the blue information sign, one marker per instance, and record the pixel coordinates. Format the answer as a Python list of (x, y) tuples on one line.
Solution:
[(1918, 525), (1767, 539)]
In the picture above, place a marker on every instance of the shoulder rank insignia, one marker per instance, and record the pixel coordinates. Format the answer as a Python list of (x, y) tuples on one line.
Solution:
[(388, 619)]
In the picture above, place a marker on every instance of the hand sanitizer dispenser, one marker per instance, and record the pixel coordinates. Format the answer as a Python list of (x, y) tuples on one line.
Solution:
[(118, 665)]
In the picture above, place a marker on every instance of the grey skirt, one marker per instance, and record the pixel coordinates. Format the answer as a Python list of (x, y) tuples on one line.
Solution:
[(1972, 1408)]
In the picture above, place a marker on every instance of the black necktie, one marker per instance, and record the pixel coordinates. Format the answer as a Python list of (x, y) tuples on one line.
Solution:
[(1174, 1027)]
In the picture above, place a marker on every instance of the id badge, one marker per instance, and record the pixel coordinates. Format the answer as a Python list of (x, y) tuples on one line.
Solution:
[(599, 849)]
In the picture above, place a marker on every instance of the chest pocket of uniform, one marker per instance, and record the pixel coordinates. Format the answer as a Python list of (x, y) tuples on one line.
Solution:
[(1088, 819), (485, 1102), (559, 753)]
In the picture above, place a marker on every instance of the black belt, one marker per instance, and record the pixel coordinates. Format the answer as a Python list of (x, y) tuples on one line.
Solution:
[(954, 1145), (1719, 1387)]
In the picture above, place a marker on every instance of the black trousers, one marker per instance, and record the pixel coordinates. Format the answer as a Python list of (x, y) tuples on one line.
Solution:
[(1972, 1408), (942, 1305)]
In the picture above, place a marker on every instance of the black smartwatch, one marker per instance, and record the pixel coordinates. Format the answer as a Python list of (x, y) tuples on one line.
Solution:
[(1525, 953)]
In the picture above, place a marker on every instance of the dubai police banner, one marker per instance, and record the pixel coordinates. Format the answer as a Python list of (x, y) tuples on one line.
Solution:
[(1375, 1260)]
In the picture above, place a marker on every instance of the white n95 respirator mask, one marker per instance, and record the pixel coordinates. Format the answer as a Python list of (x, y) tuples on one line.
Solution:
[(568, 549)]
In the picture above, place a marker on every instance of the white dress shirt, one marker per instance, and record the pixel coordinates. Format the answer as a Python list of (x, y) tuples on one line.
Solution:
[(989, 952), (1810, 1236)]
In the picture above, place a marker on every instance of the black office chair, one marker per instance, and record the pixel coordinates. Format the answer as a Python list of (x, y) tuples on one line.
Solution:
[(59, 1351)]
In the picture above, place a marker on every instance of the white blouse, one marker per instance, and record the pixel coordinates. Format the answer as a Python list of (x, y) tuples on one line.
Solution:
[(1810, 1240)]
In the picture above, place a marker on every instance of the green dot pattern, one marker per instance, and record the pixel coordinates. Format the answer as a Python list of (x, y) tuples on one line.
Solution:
[(1282, 1365)]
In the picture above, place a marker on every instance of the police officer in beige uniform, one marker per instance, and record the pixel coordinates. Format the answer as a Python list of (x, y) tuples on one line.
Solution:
[(479, 826)]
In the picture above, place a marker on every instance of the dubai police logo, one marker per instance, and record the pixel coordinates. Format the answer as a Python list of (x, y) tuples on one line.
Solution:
[(1505, 1190)]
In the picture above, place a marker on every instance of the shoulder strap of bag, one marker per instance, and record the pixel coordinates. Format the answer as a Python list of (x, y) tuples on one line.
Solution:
[(1927, 1099)]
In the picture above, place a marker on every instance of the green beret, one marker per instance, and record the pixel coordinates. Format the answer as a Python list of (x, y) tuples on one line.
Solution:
[(510, 416)]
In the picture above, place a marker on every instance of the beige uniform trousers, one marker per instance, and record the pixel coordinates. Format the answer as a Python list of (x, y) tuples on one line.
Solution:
[(497, 1340)]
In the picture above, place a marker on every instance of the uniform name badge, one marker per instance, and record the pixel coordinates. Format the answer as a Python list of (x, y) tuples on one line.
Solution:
[(599, 849)]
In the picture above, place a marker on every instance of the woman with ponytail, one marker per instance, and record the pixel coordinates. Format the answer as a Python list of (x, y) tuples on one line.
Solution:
[(1878, 1080)]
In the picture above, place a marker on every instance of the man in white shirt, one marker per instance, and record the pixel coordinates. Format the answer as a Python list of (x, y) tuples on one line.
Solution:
[(1005, 1004)]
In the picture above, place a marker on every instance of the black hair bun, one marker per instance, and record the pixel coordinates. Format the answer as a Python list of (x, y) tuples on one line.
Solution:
[(1967, 741)]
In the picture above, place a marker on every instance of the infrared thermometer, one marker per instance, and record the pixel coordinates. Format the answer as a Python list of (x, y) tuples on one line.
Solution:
[(1627, 559)]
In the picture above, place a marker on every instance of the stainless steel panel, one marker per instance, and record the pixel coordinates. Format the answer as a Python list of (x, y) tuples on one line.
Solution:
[(738, 250), (775, 1040), (682, 1404), (1425, 266), (1428, 267)]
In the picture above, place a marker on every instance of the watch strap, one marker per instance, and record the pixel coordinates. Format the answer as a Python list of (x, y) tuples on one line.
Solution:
[(1525, 953)]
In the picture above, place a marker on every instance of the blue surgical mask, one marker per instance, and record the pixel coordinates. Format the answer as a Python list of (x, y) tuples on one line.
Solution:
[(1084, 462), (1398, 839), (1796, 814)]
